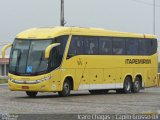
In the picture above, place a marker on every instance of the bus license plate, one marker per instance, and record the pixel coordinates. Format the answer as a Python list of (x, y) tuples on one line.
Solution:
[(25, 87)]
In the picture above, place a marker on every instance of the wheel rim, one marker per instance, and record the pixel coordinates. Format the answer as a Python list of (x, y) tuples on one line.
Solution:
[(136, 84), (66, 87), (128, 86)]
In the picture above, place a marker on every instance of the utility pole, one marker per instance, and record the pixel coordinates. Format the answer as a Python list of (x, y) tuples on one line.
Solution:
[(154, 17), (62, 13)]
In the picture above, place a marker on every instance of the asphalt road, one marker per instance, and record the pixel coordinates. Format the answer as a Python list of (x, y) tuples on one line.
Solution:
[(147, 101)]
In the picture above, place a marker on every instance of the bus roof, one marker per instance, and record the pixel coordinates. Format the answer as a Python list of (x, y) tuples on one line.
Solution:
[(46, 33)]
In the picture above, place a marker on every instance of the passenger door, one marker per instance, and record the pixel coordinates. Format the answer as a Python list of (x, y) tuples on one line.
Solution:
[(78, 60)]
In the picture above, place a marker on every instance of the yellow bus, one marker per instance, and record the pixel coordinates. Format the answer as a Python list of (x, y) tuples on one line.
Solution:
[(62, 59)]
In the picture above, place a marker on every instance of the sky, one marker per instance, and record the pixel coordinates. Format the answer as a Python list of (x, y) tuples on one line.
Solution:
[(120, 15)]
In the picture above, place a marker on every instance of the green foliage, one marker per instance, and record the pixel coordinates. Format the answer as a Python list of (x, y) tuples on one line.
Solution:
[(3, 81)]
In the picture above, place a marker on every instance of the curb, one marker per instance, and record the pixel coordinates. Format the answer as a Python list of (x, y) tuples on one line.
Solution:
[(4, 84)]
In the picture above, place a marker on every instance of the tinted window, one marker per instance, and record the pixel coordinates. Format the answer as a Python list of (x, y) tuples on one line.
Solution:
[(72, 47), (105, 45), (153, 46), (118, 46), (76, 46), (57, 52), (132, 47), (83, 45), (142, 47), (19, 53), (91, 45), (148, 46)]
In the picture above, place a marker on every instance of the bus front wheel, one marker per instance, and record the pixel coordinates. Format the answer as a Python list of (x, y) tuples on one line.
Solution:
[(66, 89), (31, 94)]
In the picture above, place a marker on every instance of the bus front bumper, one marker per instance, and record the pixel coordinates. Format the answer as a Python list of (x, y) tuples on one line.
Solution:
[(45, 86)]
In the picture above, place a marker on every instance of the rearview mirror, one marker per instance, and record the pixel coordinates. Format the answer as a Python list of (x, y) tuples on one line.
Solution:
[(4, 49), (49, 48)]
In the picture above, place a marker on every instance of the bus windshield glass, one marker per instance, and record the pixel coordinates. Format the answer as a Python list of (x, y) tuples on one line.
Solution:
[(27, 56)]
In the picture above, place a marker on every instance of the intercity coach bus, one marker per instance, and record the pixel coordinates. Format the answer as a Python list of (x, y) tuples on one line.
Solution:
[(62, 59)]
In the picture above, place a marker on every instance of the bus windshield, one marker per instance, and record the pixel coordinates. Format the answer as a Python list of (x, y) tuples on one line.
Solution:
[(27, 56)]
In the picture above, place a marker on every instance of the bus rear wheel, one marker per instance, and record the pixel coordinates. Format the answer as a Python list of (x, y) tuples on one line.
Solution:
[(31, 94), (66, 89), (136, 85), (127, 86)]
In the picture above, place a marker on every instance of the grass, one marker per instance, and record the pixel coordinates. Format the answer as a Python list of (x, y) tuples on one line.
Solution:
[(3, 81)]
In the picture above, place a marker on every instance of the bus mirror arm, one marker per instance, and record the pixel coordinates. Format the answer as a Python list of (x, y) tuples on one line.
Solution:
[(70, 56), (4, 49), (49, 48)]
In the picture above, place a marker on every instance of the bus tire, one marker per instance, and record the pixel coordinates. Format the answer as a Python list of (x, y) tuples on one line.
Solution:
[(136, 87), (127, 86), (31, 94), (66, 89)]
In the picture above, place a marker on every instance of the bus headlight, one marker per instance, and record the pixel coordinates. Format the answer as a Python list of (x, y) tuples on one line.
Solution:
[(44, 79)]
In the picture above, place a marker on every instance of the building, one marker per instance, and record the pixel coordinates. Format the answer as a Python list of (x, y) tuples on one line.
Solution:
[(4, 64)]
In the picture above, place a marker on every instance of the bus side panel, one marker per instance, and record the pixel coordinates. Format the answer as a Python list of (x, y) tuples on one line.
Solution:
[(81, 73), (151, 78), (109, 77), (152, 71), (96, 79), (67, 73), (82, 79), (138, 71), (55, 80), (119, 77), (127, 71)]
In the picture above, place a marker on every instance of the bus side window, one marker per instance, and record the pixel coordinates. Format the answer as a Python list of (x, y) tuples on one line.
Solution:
[(76, 46), (91, 45), (72, 47), (55, 59), (118, 46), (153, 44), (105, 46), (56, 54), (131, 46), (80, 46), (142, 47)]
